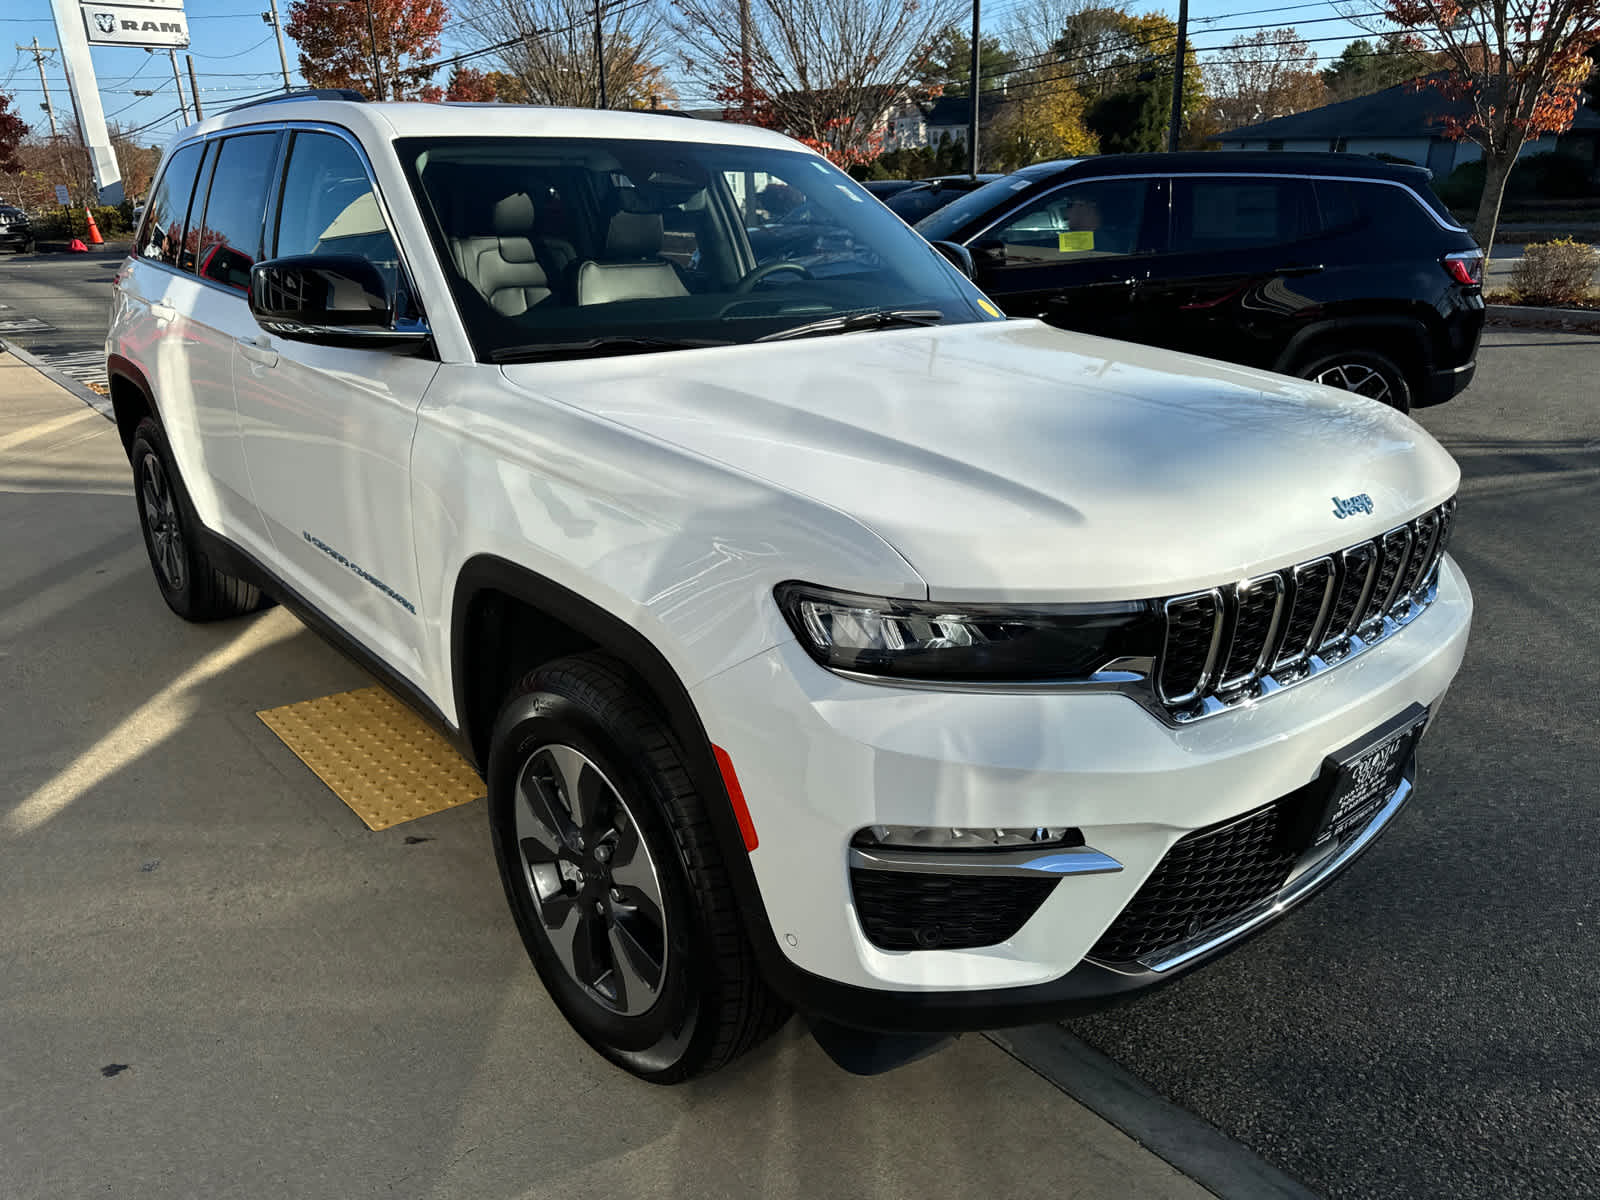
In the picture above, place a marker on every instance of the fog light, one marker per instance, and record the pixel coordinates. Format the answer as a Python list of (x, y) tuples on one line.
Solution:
[(944, 837)]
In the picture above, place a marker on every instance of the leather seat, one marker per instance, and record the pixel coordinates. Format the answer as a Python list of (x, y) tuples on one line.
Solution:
[(633, 268), (504, 265)]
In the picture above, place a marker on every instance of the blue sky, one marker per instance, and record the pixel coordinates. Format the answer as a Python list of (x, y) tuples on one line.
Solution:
[(236, 55)]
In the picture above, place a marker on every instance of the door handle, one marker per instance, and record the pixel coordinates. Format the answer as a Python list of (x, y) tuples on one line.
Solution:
[(257, 350), (164, 313)]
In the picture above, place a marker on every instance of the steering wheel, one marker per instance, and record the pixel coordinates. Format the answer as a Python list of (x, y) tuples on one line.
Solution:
[(783, 264)]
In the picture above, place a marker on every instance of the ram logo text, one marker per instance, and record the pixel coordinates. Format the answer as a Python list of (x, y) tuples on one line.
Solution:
[(1351, 505)]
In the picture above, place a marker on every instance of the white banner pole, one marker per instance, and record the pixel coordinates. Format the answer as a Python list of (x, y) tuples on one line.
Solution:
[(85, 88)]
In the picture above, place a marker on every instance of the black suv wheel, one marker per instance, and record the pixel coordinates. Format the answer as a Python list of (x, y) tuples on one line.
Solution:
[(191, 586), (615, 879), (1363, 372)]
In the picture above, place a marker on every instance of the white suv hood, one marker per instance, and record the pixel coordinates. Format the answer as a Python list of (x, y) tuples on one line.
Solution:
[(1012, 461)]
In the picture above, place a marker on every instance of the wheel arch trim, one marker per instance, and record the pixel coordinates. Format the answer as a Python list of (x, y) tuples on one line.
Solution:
[(119, 368), (1306, 343), (613, 635)]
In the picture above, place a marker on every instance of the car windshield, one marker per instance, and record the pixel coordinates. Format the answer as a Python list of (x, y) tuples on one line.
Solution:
[(945, 222), (565, 246)]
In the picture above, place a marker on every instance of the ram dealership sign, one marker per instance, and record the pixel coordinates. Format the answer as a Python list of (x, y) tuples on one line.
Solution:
[(132, 23)]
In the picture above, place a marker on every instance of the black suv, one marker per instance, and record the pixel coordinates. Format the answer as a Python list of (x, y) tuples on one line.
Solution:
[(16, 231), (1333, 267)]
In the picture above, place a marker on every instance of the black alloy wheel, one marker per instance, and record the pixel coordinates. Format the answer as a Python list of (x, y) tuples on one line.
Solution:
[(1366, 374), (615, 877)]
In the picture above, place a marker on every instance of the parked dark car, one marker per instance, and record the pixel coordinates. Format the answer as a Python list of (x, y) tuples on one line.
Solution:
[(16, 231), (884, 188), (930, 195), (1333, 267)]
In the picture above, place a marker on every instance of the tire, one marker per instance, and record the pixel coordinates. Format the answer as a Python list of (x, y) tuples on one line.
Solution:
[(1364, 372), (615, 878), (191, 586)]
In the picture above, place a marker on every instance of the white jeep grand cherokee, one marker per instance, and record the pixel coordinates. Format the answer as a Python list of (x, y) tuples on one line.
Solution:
[(824, 639)]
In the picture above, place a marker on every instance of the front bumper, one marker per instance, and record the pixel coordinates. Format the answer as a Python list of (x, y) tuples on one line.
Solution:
[(820, 757)]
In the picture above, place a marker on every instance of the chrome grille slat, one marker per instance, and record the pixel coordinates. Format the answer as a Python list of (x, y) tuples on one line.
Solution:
[(1236, 643), (1312, 587), (1189, 649), (1394, 548), (1256, 610)]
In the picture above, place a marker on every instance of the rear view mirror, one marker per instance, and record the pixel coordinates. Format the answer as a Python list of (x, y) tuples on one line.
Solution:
[(335, 300)]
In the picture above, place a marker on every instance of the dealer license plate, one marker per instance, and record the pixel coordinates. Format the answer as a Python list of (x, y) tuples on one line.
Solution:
[(1368, 772)]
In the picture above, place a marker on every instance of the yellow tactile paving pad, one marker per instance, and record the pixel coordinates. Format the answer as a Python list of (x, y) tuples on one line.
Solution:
[(377, 755)]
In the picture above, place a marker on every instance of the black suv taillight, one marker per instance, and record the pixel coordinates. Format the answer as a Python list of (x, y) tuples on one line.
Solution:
[(1465, 267)]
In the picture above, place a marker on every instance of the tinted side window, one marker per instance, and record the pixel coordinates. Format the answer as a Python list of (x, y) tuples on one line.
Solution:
[(230, 234), (328, 204), (162, 233), (1092, 219), (1336, 205), (1220, 214)]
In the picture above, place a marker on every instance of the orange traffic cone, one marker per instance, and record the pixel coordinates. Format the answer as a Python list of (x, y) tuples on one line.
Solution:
[(77, 246), (94, 230)]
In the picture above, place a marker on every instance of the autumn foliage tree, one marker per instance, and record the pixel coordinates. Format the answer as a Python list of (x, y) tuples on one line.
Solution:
[(12, 130), (337, 49), (1515, 70)]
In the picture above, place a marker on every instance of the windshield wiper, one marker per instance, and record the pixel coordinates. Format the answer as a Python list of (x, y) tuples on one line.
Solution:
[(884, 318), (599, 347)]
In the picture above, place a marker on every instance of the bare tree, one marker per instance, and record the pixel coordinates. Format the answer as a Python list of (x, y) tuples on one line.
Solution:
[(550, 51), (824, 71), (1259, 76)]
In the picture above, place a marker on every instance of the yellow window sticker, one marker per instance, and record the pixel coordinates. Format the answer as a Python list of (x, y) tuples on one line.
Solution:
[(990, 309), (1079, 240)]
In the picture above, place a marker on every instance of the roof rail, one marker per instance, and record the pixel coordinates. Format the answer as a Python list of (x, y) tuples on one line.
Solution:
[(305, 94)]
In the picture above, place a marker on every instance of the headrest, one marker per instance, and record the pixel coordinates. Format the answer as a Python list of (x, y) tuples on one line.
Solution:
[(513, 223), (634, 235), (513, 216)]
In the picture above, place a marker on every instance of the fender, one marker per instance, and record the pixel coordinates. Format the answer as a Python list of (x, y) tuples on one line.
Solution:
[(610, 633), (1397, 326), (118, 367)]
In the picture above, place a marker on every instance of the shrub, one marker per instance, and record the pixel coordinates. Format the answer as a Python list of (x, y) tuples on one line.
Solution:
[(1555, 272), (1535, 177)]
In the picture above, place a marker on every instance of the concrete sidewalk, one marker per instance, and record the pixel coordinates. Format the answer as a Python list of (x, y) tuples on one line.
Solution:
[(215, 982)]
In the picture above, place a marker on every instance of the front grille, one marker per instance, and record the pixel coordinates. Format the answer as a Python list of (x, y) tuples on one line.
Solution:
[(1206, 880), (908, 910), (1220, 642)]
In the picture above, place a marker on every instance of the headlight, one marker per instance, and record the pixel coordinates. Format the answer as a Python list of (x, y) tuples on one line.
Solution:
[(919, 639)]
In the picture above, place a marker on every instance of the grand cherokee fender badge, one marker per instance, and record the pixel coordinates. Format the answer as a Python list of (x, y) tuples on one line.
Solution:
[(1351, 505)]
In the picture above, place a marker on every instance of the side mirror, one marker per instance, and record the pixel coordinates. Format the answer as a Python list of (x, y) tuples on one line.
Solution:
[(958, 255), (991, 252), (330, 299)]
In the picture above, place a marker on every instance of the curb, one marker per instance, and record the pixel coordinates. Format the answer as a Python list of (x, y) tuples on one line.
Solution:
[(1584, 319), (101, 404), (1189, 1145)]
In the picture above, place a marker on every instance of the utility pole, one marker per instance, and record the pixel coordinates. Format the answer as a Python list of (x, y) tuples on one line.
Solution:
[(372, 41), (747, 86), (271, 18), (600, 50), (177, 82), (975, 83), (1175, 130), (38, 53), (194, 88)]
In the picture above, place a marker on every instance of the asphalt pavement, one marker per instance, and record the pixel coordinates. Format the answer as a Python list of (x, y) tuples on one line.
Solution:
[(1430, 1025), (55, 306)]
